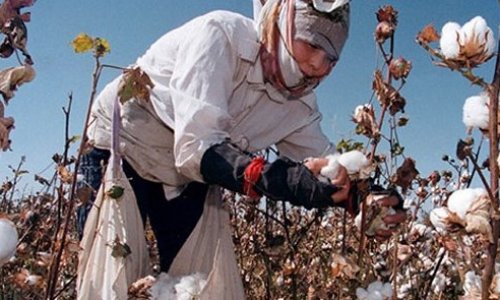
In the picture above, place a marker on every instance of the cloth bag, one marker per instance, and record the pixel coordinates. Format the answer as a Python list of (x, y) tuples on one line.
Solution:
[(112, 223), (209, 250)]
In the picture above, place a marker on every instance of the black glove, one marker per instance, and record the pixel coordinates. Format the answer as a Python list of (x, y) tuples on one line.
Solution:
[(225, 165)]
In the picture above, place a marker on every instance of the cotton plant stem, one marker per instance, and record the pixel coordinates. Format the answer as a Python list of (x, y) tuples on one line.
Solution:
[(434, 273), (54, 269), (362, 240), (493, 134)]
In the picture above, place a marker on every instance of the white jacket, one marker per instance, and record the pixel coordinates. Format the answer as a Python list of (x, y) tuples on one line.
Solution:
[(209, 86)]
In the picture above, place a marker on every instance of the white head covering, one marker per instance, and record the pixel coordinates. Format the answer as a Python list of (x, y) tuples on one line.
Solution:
[(327, 29)]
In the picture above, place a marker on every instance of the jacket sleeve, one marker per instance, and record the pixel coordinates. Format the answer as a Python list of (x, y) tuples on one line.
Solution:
[(283, 179), (200, 87)]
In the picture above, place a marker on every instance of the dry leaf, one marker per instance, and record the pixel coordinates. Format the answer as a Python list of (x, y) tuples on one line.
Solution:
[(6, 125), (428, 34), (141, 288), (405, 174), (101, 47), (343, 267), (399, 68), (477, 218), (120, 249), (387, 14), (12, 78), (64, 174), (135, 83)]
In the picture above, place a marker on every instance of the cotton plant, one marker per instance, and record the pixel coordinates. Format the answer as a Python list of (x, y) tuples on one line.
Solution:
[(8, 240)]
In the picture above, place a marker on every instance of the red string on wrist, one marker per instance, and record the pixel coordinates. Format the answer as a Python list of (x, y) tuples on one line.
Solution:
[(252, 175)]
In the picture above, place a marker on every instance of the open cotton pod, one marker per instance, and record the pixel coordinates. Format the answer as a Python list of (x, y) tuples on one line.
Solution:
[(375, 214), (8, 240)]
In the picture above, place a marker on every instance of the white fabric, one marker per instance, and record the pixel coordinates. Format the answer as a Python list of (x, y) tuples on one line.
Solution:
[(212, 85), (209, 250), (100, 275), (292, 75)]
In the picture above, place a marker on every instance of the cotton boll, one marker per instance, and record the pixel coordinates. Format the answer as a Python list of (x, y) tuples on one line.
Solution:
[(496, 285), (438, 217), (474, 27), (387, 290), (362, 294), (472, 284), (461, 200), (376, 295), (476, 112), (332, 168), (490, 42), (477, 27), (190, 286), (354, 161), (374, 286), (449, 40), (163, 288), (439, 283), (8, 240)]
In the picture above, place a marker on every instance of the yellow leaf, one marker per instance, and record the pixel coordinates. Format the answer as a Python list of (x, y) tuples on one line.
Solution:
[(101, 46), (82, 43)]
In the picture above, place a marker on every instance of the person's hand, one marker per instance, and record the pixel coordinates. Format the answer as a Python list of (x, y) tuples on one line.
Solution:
[(315, 164), (342, 181)]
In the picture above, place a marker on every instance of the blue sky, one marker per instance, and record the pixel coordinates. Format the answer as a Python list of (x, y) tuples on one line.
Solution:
[(434, 95)]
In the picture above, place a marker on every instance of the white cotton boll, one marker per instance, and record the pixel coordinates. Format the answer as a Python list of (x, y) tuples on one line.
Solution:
[(163, 288), (438, 218), (189, 287), (387, 290), (362, 294), (375, 286), (475, 27), (476, 112), (472, 283), (332, 168), (167, 287), (376, 295), (461, 200), (449, 40), (490, 42), (421, 229), (8, 240), (496, 284), (439, 283), (354, 161)]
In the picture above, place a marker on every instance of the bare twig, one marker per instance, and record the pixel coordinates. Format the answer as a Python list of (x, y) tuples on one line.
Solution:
[(54, 269)]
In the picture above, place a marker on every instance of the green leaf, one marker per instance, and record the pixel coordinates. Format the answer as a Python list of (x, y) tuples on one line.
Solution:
[(120, 250), (115, 192)]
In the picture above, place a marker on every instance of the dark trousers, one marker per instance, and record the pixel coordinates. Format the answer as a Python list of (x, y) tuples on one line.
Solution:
[(172, 220)]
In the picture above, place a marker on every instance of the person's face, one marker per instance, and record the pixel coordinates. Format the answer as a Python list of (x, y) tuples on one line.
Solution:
[(313, 61)]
